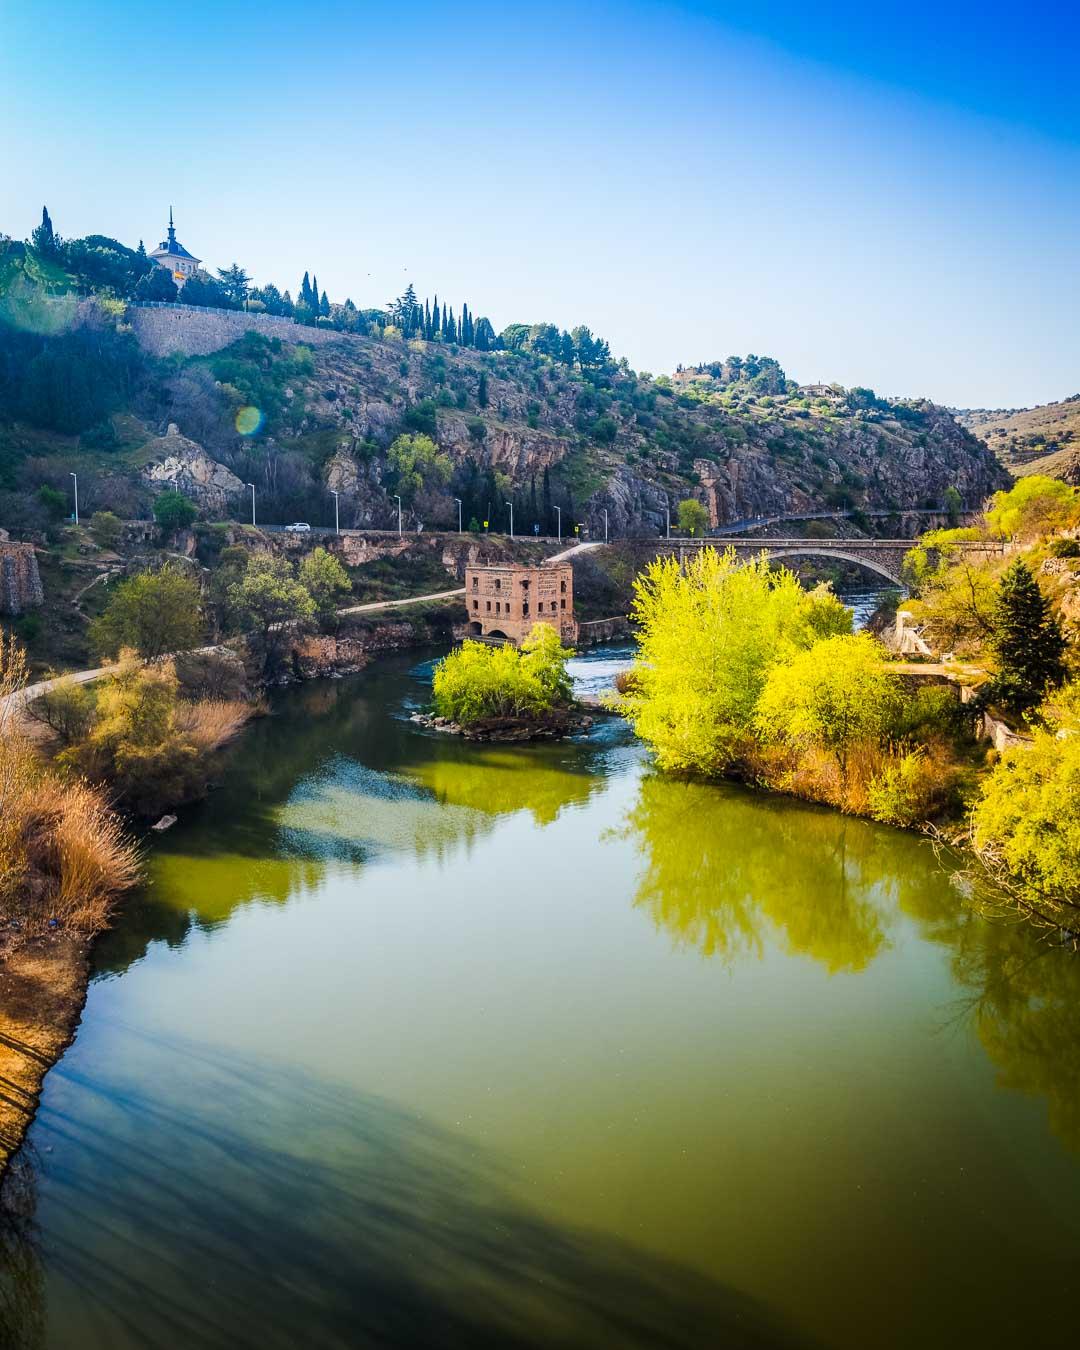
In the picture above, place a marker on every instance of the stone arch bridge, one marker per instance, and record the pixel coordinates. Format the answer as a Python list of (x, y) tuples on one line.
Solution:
[(885, 557)]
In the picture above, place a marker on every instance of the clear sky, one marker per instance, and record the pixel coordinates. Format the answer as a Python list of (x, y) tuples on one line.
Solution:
[(883, 194)]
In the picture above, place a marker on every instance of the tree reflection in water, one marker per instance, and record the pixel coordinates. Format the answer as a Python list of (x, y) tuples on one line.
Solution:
[(277, 1211), (727, 869)]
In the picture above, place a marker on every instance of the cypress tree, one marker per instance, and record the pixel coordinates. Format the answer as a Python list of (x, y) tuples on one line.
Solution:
[(482, 395), (44, 239), (450, 329), (324, 305), (1027, 640), (305, 291), (427, 320), (314, 293)]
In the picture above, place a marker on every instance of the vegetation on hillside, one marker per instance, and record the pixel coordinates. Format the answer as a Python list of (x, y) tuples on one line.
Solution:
[(1044, 440)]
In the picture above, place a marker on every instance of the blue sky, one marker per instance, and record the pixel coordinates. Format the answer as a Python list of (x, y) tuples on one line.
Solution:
[(884, 195)]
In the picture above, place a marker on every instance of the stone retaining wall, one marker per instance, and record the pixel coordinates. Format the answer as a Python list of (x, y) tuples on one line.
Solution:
[(20, 581), (198, 332)]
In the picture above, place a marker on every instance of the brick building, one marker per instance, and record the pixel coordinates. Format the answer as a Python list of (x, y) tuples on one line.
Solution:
[(505, 602)]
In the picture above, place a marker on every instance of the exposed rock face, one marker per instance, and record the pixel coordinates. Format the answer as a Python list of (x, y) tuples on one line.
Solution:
[(20, 581), (184, 466)]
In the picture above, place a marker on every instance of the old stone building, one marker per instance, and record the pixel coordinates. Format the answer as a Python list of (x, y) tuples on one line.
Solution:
[(20, 582), (506, 601)]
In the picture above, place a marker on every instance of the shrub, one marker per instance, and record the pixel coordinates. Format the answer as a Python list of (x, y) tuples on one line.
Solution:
[(105, 527), (1026, 828), (477, 682), (173, 511), (904, 792), (1064, 548)]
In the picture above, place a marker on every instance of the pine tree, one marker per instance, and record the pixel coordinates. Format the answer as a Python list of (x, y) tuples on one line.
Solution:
[(141, 250), (1027, 640)]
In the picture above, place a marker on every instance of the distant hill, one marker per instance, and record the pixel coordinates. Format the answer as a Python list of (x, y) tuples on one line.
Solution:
[(546, 420), (1045, 439)]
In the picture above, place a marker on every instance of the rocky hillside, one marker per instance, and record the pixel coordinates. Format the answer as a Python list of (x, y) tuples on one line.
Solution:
[(1031, 440), (488, 428)]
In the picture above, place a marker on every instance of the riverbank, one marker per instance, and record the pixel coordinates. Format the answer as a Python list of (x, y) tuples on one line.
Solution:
[(43, 986), (552, 726)]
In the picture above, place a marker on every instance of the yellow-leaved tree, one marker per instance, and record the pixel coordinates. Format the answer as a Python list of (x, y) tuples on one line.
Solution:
[(710, 631)]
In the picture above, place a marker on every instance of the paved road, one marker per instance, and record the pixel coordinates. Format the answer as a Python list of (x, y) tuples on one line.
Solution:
[(583, 547), (14, 702)]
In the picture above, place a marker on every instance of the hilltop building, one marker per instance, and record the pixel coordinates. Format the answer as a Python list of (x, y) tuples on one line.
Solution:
[(171, 254), (506, 601)]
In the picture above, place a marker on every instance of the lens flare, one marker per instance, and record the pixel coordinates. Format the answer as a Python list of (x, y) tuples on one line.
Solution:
[(248, 420)]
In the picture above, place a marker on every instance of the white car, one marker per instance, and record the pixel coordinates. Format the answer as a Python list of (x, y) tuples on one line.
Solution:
[(298, 527)]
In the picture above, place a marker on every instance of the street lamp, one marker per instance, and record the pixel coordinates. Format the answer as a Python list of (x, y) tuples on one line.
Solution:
[(252, 487), (511, 506), (458, 500), (398, 500), (558, 512), (337, 517), (667, 512), (76, 477), (605, 524)]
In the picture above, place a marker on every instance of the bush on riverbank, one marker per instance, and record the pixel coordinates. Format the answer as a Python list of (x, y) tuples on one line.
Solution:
[(134, 733), (742, 672), (477, 682), (63, 851)]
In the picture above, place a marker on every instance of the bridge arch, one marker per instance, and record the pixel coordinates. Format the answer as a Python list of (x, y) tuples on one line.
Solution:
[(865, 560)]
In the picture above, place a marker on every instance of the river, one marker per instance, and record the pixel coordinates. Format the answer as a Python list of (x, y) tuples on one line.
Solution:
[(415, 1042)]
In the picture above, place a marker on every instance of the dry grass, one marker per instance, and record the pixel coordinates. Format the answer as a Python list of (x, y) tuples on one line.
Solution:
[(211, 723), (63, 851)]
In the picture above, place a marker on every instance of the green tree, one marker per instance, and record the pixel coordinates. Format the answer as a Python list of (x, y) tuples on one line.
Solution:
[(1034, 505), (44, 239), (268, 598), (235, 282), (1027, 640), (833, 695), (153, 613), (693, 518), (1026, 827), (709, 633), (156, 284), (325, 580), (53, 500), (953, 505), (482, 390), (105, 527), (173, 511), (477, 682), (416, 462)]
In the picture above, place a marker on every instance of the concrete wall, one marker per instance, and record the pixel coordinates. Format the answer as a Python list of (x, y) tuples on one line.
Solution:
[(197, 332)]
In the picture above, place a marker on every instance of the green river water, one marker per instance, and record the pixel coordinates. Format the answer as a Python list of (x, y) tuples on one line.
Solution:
[(414, 1042)]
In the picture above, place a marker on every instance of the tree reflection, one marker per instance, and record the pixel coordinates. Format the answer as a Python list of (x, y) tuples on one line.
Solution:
[(22, 1302), (724, 868), (498, 782)]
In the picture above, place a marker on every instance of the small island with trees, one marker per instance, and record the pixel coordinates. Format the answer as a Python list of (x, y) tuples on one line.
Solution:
[(505, 693)]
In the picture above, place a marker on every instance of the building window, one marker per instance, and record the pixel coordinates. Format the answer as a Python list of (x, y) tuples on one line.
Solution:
[(562, 603), (562, 587), (476, 604), (525, 609), (476, 583), (489, 606), (498, 584)]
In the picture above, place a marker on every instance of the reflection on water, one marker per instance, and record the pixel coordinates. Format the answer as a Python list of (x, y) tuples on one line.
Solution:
[(414, 1041), (371, 1228)]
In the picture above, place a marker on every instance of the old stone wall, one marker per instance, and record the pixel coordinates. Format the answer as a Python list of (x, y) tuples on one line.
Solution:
[(20, 581), (197, 332)]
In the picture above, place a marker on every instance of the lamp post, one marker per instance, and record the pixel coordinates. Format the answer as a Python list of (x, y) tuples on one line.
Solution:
[(252, 487), (558, 513), (398, 500), (605, 524), (76, 478), (337, 516), (667, 512), (511, 506), (458, 500)]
